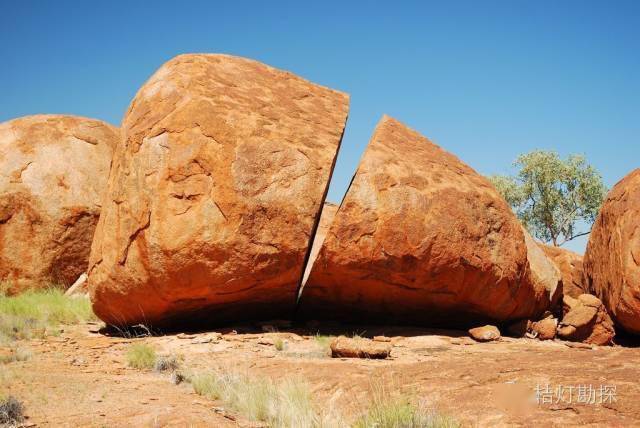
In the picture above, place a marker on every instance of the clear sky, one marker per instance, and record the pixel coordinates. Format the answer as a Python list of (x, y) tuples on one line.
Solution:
[(487, 80)]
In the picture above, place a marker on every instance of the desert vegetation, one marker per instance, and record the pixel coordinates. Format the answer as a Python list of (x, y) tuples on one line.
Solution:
[(141, 356), (556, 199), (40, 312)]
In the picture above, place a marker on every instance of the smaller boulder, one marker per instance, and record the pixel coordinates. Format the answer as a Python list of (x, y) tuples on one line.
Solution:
[(485, 333), (344, 347), (545, 329), (586, 320)]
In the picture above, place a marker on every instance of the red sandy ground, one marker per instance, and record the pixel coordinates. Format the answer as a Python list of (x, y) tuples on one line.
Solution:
[(81, 378)]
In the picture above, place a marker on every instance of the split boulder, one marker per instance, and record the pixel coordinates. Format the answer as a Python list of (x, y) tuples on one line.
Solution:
[(421, 238), (212, 200)]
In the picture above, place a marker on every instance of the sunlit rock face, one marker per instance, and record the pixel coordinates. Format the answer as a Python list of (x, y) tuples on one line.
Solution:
[(214, 193), (53, 173), (421, 238)]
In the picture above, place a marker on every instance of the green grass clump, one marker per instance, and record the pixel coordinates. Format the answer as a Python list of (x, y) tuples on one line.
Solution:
[(279, 344), (287, 403), (141, 356), (36, 313)]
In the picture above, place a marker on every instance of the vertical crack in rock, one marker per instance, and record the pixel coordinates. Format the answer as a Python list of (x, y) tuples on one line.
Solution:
[(316, 222), (133, 237)]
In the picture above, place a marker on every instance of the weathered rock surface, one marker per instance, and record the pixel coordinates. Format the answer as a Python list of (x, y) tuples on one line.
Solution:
[(543, 273), (545, 329), (612, 259), (421, 238), (53, 174), (214, 195), (358, 347), (570, 265), (326, 218), (485, 333), (586, 320)]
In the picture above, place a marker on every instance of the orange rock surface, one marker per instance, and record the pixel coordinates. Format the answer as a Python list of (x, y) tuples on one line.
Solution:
[(53, 173), (570, 265), (214, 194), (421, 238), (612, 259)]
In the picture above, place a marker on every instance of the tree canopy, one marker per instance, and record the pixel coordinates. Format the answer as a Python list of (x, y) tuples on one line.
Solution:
[(556, 199)]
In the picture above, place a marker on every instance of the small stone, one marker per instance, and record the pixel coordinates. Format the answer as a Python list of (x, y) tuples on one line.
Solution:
[(545, 329), (485, 333)]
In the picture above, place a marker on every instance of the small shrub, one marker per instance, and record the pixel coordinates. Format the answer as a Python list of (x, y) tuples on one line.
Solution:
[(279, 344), (141, 356), (11, 411), (177, 378), (166, 363)]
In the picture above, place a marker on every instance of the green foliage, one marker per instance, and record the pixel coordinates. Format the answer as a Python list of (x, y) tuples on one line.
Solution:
[(551, 196), (279, 344), (141, 356), (36, 313)]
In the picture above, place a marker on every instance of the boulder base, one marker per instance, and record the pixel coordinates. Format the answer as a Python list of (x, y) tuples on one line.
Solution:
[(53, 174), (214, 195)]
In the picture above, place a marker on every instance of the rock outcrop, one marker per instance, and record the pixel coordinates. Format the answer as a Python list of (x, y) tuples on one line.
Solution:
[(612, 259), (586, 320), (214, 196), (570, 265), (421, 238), (53, 174)]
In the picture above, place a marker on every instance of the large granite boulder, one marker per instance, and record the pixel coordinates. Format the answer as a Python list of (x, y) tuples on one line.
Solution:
[(570, 265), (421, 238), (53, 174), (612, 259), (214, 194)]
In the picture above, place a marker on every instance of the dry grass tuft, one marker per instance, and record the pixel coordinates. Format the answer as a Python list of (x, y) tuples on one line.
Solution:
[(287, 403), (391, 410), (141, 356), (11, 411)]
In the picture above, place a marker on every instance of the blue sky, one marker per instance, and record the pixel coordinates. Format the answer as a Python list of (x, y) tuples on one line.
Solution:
[(487, 80)]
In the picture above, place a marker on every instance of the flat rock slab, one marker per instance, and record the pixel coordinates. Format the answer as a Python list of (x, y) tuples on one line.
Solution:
[(421, 238), (53, 175), (214, 194), (358, 347)]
